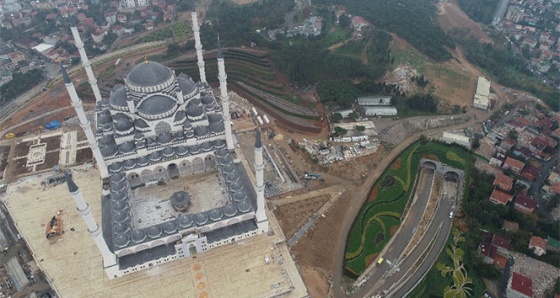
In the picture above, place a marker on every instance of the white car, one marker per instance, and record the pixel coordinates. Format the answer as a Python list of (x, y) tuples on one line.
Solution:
[(451, 214)]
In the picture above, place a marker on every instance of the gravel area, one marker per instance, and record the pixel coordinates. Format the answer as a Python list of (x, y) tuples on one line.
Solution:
[(542, 274)]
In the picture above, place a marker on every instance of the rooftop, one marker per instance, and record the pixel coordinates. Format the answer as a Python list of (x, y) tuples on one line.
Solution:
[(522, 284), (501, 197)]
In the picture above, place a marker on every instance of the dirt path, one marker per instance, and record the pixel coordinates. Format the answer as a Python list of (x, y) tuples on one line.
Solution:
[(364, 53)]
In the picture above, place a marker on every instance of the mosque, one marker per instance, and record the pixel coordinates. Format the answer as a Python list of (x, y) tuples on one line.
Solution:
[(172, 185)]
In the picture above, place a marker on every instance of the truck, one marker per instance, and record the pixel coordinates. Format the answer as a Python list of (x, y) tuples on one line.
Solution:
[(53, 124)]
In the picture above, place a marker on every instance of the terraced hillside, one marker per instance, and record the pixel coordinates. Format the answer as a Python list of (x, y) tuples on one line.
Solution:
[(252, 75)]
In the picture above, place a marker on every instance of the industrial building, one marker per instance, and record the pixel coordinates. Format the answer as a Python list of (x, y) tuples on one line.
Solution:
[(381, 111), (374, 101), (482, 94)]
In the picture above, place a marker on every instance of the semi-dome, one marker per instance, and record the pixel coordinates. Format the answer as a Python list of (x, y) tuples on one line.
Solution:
[(207, 99), (118, 96), (194, 111), (149, 73), (127, 147), (186, 84), (104, 117), (164, 138), (201, 131), (108, 151), (214, 118), (139, 123), (180, 117), (217, 127), (156, 105)]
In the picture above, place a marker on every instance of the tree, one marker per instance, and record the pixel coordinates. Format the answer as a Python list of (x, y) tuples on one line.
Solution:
[(336, 117), (339, 131), (353, 116), (360, 128), (344, 21)]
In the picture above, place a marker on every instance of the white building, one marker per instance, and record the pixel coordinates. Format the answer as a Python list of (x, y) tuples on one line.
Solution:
[(460, 139), (381, 111), (482, 94), (156, 128), (344, 113), (374, 101)]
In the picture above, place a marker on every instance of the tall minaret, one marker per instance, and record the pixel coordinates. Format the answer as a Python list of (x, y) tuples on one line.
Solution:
[(260, 214), (84, 122), (198, 45), (87, 65), (109, 258), (224, 96)]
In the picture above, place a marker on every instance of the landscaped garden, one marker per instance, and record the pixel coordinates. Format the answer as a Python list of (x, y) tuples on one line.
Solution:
[(381, 214)]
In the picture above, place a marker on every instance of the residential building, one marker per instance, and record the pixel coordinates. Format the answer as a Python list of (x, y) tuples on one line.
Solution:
[(538, 245), (519, 286), (499, 197), (503, 182), (462, 140), (514, 165), (525, 202)]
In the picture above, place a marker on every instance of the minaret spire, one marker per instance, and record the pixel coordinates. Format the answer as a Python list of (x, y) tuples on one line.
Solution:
[(198, 45), (109, 258), (84, 122), (224, 96), (87, 65), (260, 214)]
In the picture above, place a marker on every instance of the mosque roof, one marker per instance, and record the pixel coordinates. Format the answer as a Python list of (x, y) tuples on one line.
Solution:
[(149, 73), (156, 104)]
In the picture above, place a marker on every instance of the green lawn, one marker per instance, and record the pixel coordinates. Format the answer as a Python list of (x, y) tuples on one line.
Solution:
[(371, 229)]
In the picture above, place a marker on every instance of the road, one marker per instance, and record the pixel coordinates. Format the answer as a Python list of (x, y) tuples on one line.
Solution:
[(500, 12)]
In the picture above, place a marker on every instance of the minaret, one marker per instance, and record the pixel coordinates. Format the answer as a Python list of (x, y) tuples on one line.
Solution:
[(87, 65), (260, 214), (198, 45), (109, 258), (84, 122), (224, 96)]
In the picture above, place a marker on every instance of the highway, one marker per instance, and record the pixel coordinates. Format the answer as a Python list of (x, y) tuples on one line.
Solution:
[(500, 11), (400, 273)]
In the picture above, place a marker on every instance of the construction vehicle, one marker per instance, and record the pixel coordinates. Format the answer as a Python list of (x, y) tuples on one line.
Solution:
[(311, 175), (55, 226), (10, 135)]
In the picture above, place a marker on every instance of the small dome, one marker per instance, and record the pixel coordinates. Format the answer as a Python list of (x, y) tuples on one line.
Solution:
[(232, 177), (217, 127), (194, 111), (206, 147), (215, 214), (138, 236), (120, 217), (168, 151), (235, 186), (155, 156), (138, 136), (121, 241), (123, 125), (214, 118), (222, 152), (193, 102), (104, 117), (182, 150), (194, 149), (119, 206), (143, 161), (180, 135), (108, 151), (219, 144), (121, 228), (229, 210), (169, 227), (116, 178), (116, 167), (189, 133), (149, 73), (164, 138), (127, 147), (119, 196), (129, 164), (200, 218), (244, 207), (187, 126), (185, 220), (154, 232), (207, 100), (228, 169), (201, 131), (239, 196)]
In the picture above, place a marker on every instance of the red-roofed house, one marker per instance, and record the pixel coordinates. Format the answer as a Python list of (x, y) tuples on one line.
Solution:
[(358, 23), (556, 133), (499, 197), (495, 249), (538, 145), (519, 286), (538, 245), (525, 203), (530, 172), (503, 182), (508, 143), (555, 188), (513, 164)]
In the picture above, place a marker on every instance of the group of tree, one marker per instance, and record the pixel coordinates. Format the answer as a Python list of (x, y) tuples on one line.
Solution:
[(413, 20), (420, 81), (508, 69), (425, 103), (481, 11), (19, 84)]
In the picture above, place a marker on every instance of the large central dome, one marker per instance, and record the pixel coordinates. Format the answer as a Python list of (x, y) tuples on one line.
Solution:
[(149, 73)]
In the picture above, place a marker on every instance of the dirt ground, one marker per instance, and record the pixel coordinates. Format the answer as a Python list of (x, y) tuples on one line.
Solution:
[(450, 16)]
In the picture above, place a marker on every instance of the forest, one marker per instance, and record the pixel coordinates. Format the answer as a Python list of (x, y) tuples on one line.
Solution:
[(413, 20), (20, 84), (479, 10)]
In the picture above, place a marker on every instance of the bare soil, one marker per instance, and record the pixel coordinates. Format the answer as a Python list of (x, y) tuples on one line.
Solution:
[(450, 16)]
